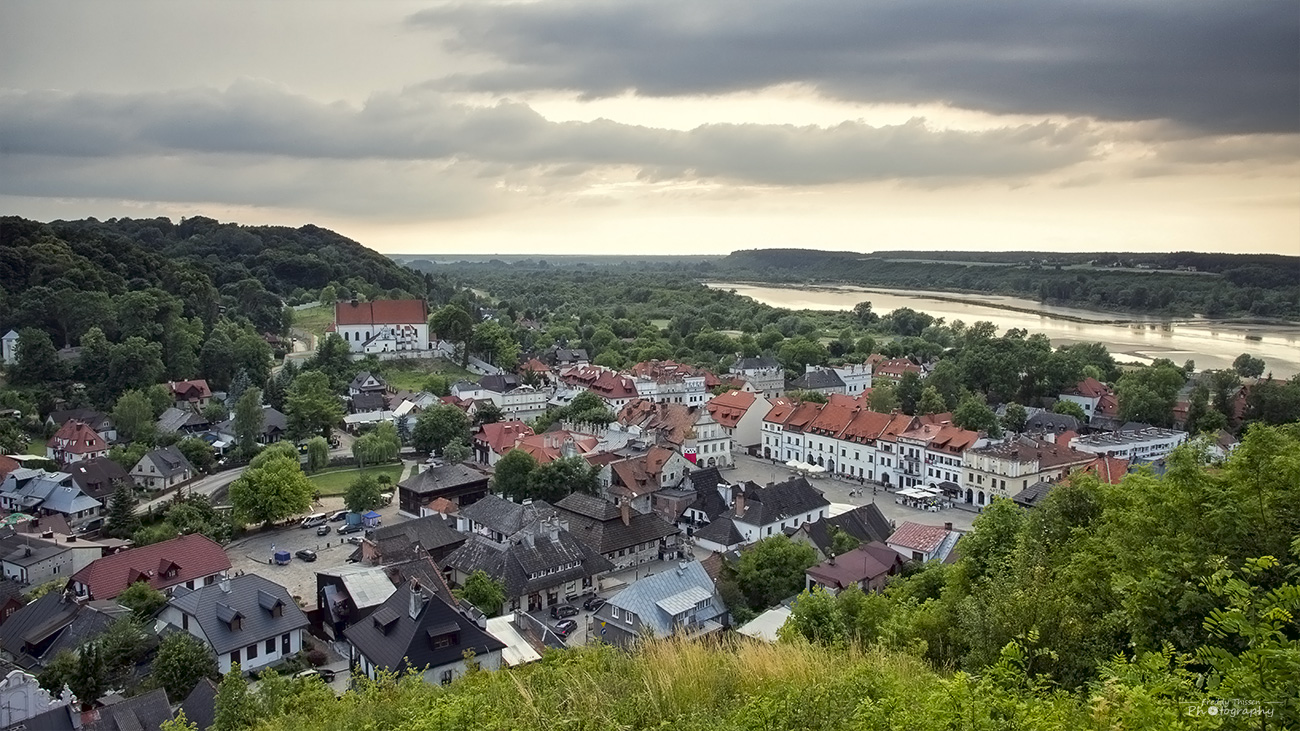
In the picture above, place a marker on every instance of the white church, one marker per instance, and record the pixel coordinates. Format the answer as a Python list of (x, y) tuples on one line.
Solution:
[(383, 326)]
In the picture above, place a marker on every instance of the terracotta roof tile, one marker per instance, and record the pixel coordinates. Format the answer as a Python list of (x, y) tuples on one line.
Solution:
[(382, 312), (729, 408), (918, 537), (194, 556)]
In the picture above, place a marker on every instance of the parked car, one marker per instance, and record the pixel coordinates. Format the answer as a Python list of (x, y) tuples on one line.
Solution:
[(351, 528), (565, 627), (324, 530), (593, 603), (322, 673), (560, 611), (340, 515), (306, 554), (355, 540)]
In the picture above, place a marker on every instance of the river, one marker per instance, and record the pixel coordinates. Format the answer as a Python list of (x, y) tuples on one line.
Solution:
[(1213, 345)]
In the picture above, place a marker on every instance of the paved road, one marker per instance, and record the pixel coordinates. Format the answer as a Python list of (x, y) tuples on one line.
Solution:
[(203, 486)]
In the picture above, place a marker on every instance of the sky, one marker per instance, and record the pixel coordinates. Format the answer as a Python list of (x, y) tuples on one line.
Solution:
[(667, 126)]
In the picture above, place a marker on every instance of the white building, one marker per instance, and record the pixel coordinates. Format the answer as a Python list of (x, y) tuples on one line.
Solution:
[(1140, 445), (712, 441), (741, 414), (247, 620), (383, 326), (524, 403), (764, 373), (856, 377)]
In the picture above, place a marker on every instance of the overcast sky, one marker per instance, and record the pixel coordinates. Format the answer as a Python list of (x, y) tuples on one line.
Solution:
[(667, 126)]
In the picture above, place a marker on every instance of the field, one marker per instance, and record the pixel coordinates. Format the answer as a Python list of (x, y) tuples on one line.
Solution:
[(314, 320), (411, 374), (336, 481)]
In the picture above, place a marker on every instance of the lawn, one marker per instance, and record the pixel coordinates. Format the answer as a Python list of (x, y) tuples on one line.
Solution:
[(336, 481), (314, 319), (411, 374)]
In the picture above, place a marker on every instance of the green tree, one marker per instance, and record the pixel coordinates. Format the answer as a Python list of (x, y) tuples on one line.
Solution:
[(842, 541), (797, 353), (12, 438), (134, 363), (1248, 366), (438, 426), (1148, 394), (456, 451), (883, 398), (217, 359), (215, 412), (1013, 420), (122, 521), (236, 707), (484, 592), (128, 456), (1070, 408), (488, 413), (182, 661), (249, 419), (815, 616), (37, 360), (453, 324), (975, 415), (134, 418), (773, 569), (312, 406), (318, 454), (278, 450), (799, 395), (143, 600), (363, 495), (511, 474), (85, 674), (198, 452), (437, 385), (909, 392), (271, 491), (557, 478)]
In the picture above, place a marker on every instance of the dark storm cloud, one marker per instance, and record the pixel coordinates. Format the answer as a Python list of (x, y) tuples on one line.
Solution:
[(1222, 66), (264, 121)]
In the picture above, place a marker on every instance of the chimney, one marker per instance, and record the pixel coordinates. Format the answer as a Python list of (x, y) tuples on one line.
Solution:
[(947, 526), (418, 599), (626, 510), (225, 585), (740, 504), (725, 491)]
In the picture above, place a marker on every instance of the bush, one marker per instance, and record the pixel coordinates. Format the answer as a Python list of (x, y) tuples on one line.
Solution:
[(316, 657)]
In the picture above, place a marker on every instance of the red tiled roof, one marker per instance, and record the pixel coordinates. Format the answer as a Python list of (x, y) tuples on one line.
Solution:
[(1063, 439), (898, 423), (549, 446), (673, 422), (535, 366), (896, 368), (382, 312), (944, 418), (502, 436), (918, 537), (866, 426), (780, 412), (864, 563), (600, 381), (74, 437), (835, 415), (729, 408), (1108, 469), (803, 416), (194, 557), (6, 466), (1089, 388), (196, 389)]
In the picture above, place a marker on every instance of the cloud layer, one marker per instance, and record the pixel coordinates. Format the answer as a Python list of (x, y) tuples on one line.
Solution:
[(1211, 65)]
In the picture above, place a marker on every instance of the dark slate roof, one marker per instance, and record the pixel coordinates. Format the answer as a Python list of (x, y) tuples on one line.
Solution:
[(48, 625), (407, 642), (200, 706), (761, 362), (359, 382), (722, 532), (9, 588), (531, 551), (1033, 495), (1049, 421), (442, 477), (599, 524), (364, 402), (776, 502), (96, 420), (55, 719), (96, 477), (170, 461), (504, 516), (212, 608), (817, 379), (865, 523), (426, 571), (145, 712), (499, 383), (431, 532), (706, 478)]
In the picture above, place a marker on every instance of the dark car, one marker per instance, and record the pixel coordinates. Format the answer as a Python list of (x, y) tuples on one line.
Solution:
[(306, 554), (351, 528), (565, 627), (593, 603), (560, 611), (324, 530)]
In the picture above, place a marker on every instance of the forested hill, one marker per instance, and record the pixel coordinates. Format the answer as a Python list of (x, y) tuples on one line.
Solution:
[(1222, 285), (57, 275)]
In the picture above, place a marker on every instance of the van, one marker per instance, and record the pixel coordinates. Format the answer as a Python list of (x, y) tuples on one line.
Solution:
[(340, 515), (311, 521)]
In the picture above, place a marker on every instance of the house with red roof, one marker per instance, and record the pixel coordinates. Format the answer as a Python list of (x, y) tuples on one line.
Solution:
[(615, 389), (191, 561), (892, 370), (552, 445), (920, 542), (634, 480), (1110, 470), (1094, 397), (383, 326), (773, 427), (667, 381), (74, 442), (741, 415), (867, 567), (1006, 468), (492, 441), (931, 455), (194, 394)]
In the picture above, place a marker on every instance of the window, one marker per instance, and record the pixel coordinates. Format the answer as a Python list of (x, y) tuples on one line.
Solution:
[(185, 622), (442, 641), (613, 611), (234, 657), (270, 646), (286, 646), (628, 617), (251, 651)]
